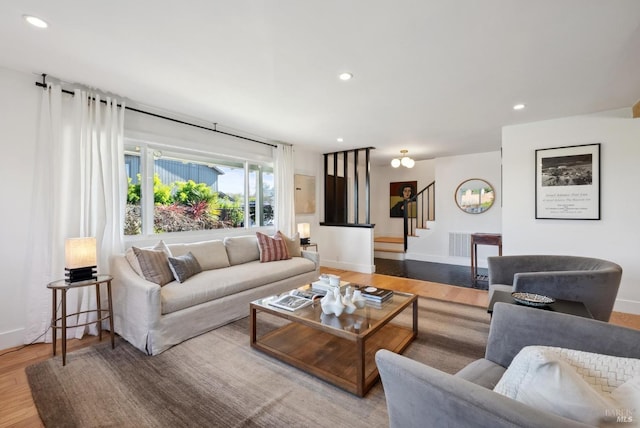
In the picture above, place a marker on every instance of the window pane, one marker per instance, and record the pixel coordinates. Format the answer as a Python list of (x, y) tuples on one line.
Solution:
[(196, 194), (175, 192), (133, 211)]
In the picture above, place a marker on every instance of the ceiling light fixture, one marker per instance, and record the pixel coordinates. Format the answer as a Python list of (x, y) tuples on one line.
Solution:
[(345, 76), (518, 106), (35, 21), (403, 160)]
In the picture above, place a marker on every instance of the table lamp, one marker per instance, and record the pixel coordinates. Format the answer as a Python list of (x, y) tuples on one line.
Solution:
[(80, 259), (304, 229)]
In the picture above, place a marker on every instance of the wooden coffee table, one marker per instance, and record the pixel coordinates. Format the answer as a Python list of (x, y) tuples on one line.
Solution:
[(339, 350)]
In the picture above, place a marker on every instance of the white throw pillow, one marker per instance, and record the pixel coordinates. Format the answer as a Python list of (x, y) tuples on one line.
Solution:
[(582, 386)]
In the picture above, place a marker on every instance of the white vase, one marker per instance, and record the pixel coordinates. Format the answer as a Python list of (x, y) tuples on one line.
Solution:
[(347, 301), (337, 305), (357, 299), (326, 303)]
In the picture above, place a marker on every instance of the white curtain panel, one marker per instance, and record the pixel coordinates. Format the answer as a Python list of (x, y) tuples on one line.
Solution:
[(80, 191), (284, 170)]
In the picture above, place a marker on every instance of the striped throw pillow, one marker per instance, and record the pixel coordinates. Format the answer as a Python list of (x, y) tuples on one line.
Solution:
[(154, 266), (272, 248)]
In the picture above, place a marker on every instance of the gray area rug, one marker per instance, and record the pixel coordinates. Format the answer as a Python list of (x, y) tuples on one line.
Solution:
[(218, 380)]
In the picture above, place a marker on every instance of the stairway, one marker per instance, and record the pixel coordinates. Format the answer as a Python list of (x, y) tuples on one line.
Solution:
[(389, 247)]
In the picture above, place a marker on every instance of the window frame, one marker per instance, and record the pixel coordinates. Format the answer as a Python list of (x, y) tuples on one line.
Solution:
[(147, 150)]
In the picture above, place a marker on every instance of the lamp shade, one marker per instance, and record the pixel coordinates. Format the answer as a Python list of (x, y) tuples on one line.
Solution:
[(304, 229), (395, 163), (80, 253)]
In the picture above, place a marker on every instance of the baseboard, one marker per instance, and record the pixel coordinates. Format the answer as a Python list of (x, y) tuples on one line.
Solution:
[(11, 338), (627, 306), (348, 266)]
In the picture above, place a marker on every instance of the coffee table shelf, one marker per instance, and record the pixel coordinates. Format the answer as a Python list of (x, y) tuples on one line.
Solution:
[(343, 353)]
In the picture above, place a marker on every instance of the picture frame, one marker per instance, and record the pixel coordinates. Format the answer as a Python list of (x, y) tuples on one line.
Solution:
[(398, 192), (305, 194), (568, 182)]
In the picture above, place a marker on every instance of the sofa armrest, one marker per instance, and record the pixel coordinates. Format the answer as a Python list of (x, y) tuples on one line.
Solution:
[(313, 256), (136, 303), (514, 326), (420, 396)]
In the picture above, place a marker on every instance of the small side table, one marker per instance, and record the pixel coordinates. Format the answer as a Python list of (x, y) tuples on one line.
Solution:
[(310, 244), (564, 306), (482, 239), (102, 314)]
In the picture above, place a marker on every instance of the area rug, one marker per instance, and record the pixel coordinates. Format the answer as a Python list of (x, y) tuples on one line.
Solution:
[(217, 379)]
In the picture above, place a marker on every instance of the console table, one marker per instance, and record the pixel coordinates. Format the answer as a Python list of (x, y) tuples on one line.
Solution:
[(63, 286), (482, 239)]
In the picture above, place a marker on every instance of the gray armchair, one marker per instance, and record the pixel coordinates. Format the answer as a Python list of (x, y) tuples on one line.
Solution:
[(592, 281), (420, 396)]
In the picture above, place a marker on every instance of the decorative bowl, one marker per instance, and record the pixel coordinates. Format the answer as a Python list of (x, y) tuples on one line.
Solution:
[(531, 299)]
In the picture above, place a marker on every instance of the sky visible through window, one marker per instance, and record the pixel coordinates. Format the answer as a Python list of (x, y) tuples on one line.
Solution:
[(232, 181)]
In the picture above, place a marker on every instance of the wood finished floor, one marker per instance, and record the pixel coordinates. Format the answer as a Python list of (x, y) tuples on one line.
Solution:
[(18, 409)]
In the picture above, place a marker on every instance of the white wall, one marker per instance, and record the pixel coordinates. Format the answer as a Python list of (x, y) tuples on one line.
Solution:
[(615, 237), (448, 173), (18, 117)]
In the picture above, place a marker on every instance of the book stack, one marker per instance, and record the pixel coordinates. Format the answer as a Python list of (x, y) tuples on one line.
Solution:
[(321, 287), (377, 296)]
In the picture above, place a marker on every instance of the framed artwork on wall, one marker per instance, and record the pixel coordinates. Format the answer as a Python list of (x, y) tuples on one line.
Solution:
[(568, 183), (398, 192), (305, 194)]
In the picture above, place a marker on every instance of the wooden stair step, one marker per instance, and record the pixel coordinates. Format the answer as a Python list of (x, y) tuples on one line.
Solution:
[(388, 250), (389, 239)]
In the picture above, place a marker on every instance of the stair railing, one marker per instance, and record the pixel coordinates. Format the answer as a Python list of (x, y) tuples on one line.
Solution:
[(425, 210)]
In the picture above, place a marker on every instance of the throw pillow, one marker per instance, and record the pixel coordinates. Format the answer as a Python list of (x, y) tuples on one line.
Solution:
[(184, 267), (272, 248), (133, 259), (574, 384), (293, 244), (154, 266)]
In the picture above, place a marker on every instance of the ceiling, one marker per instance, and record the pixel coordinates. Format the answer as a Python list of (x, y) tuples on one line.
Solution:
[(435, 77)]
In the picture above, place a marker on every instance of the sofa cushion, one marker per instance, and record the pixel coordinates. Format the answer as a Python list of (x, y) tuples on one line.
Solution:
[(213, 284), (184, 267), (578, 385), (242, 249), (210, 254), (154, 266), (482, 372), (272, 248)]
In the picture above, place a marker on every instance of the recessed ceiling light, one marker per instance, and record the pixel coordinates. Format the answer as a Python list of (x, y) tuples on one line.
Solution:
[(518, 106), (345, 76), (35, 21), (340, 139)]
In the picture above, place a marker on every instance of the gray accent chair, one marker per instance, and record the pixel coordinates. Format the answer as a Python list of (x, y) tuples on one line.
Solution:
[(591, 281), (420, 396)]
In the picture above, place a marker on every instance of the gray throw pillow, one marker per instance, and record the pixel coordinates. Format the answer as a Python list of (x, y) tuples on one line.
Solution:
[(154, 266), (184, 267)]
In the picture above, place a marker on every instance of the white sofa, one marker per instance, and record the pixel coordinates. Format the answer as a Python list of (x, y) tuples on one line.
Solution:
[(153, 318)]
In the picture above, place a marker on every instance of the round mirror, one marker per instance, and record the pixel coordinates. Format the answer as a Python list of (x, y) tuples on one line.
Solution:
[(474, 196)]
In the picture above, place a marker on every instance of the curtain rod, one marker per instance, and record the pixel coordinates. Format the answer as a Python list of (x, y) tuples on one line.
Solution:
[(43, 84)]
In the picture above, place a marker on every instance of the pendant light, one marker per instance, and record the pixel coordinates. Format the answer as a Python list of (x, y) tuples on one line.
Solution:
[(403, 160)]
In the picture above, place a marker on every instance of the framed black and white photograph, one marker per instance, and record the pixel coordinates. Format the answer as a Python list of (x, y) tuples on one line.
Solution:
[(568, 183)]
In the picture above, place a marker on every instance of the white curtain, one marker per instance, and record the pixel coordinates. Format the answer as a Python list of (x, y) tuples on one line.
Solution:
[(284, 170), (80, 191)]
